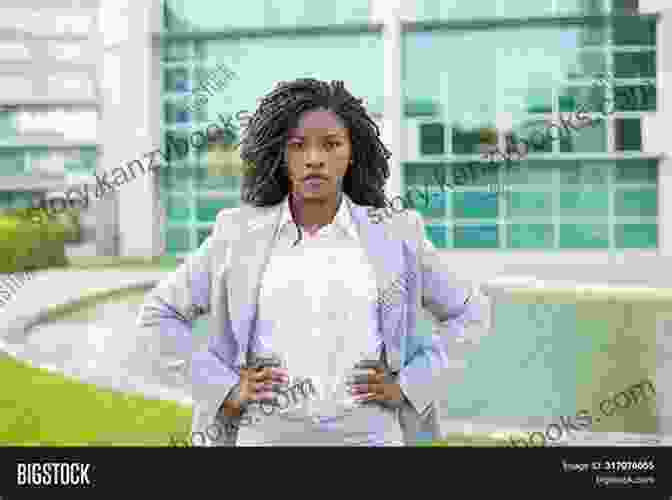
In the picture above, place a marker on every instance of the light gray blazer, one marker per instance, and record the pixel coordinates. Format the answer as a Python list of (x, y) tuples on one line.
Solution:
[(222, 278)]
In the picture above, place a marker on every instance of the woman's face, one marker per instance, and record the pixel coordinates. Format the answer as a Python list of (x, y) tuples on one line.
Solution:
[(318, 155)]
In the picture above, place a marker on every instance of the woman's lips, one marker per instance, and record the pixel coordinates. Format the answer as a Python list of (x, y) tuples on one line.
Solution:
[(314, 183)]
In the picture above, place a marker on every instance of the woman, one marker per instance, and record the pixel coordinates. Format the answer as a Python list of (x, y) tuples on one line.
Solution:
[(296, 272)]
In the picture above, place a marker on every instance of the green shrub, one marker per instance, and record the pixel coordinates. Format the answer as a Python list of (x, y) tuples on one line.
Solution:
[(71, 222), (30, 239)]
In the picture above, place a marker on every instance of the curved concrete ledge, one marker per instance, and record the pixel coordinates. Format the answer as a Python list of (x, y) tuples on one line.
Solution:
[(22, 324), (132, 384), (529, 286)]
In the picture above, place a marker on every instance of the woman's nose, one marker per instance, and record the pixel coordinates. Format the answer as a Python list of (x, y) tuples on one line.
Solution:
[(314, 157)]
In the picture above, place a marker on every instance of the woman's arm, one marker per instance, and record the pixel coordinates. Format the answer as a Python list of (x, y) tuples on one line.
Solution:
[(171, 308), (452, 305)]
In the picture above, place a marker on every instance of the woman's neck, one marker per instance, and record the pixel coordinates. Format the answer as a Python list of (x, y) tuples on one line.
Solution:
[(314, 213)]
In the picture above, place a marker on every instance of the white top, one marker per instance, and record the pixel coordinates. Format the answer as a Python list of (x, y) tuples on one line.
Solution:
[(318, 300)]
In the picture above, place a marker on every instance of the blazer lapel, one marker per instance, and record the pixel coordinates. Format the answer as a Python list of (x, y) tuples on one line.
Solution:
[(249, 256), (387, 258)]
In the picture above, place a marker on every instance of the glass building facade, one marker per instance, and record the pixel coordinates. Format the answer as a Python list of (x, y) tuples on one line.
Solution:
[(249, 45), (48, 103), (475, 75)]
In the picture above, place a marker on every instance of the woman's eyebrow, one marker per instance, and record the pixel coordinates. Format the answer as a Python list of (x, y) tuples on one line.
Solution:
[(297, 135)]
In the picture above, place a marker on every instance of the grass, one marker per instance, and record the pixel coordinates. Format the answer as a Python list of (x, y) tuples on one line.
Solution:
[(40, 408), (457, 439)]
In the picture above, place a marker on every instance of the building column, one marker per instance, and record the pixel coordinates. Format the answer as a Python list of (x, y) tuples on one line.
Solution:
[(656, 126), (130, 121), (389, 13), (664, 125)]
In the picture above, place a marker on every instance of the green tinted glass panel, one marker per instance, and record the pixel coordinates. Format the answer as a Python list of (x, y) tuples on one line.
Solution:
[(429, 204), (5, 200), (22, 199), (177, 80), (634, 31), (419, 175), (178, 178), (590, 139), (531, 236), (178, 208), (173, 146), (530, 204), (208, 208), (636, 235), (209, 15), (169, 112), (13, 162), (437, 235), (7, 127), (477, 236), (214, 182), (452, 10), (635, 98), (589, 63), (491, 94), (88, 158), (583, 173), (636, 203), (465, 10), (202, 235), (466, 141), (584, 203), (624, 7), (177, 51), (628, 132), (432, 139), (356, 59), (635, 64), (475, 173), (588, 97), (421, 107), (636, 172), (178, 239), (530, 172), (584, 236), (536, 136), (539, 101), (475, 205)]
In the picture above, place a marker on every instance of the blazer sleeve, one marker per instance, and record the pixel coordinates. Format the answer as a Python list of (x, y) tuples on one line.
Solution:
[(453, 305), (171, 309)]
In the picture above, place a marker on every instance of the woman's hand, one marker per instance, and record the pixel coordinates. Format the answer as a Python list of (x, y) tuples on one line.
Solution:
[(258, 385), (255, 386), (380, 386)]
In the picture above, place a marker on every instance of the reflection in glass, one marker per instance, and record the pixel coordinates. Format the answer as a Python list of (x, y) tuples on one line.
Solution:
[(628, 134), (197, 15)]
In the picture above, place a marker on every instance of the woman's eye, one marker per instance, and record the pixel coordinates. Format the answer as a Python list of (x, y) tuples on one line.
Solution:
[(333, 145)]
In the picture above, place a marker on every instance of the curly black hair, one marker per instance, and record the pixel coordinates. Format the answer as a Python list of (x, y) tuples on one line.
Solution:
[(266, 182)]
